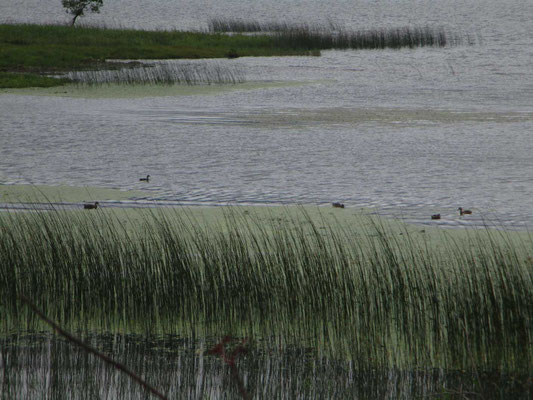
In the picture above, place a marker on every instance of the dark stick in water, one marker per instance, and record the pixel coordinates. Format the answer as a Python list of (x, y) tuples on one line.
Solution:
[(89, 349)]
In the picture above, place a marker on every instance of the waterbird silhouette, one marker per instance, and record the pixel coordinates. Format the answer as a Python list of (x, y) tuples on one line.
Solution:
[(464, 212), (91, 206), (147, 179)]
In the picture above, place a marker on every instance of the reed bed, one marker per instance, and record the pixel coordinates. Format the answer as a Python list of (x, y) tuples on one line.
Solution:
[(371, 39), (367, 294), (225, 25), (303, 35), (162, 74)]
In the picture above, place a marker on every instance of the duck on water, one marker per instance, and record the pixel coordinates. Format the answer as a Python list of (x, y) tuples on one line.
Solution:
[(91, 206), (464, 212)]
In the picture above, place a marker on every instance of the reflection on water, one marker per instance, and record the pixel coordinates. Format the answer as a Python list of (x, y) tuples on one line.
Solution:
[(44, 366)]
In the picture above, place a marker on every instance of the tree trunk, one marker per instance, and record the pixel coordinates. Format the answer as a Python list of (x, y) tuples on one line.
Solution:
[(74, 19)]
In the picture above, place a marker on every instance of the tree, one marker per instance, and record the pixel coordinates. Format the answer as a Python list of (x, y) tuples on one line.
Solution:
[(77, 8)]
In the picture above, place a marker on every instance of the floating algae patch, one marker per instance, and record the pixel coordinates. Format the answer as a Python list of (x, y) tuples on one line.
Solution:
[(146, 90), (393, 116), (55, 194)]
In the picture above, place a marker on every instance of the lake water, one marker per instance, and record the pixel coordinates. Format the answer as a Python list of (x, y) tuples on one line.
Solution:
[(407, 133)]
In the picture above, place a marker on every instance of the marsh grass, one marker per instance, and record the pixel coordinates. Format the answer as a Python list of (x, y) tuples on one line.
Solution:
[(30, 53), (225, 25), (162, 74), (332, 36), (42, 366), (361, 292), (26, 47), (394, 38), (13, 80), (27, 52), (45, 367)]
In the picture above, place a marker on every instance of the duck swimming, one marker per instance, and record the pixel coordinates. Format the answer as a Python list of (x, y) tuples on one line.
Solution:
[(91, 206), (147, 179), (464, 212)]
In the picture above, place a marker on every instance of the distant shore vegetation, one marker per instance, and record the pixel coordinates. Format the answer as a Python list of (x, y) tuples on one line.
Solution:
[(333, 36), (38, 55), (31, 55)]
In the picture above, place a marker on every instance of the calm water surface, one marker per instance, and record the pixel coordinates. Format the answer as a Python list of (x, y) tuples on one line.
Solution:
[(408, 133)]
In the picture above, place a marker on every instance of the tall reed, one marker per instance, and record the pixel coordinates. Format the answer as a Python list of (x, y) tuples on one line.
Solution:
[(162, 74), (369, 294), (302, 35), (394, 38), (224, 25)]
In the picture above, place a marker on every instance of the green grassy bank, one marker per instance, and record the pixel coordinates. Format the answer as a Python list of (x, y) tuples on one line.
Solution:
[(336, 282), (36, 49)]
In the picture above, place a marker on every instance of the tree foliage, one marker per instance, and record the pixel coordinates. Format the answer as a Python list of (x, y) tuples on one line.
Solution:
[(77, 8)]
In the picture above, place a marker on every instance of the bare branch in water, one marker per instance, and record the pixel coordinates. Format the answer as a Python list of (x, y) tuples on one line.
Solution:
[(89, 349)]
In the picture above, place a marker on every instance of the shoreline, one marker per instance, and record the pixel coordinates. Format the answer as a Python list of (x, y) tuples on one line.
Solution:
[(15, 198), (119, 91), (32, 51)]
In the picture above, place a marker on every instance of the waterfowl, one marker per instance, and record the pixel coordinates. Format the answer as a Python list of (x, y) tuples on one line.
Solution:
[(337, 205), (464, 212), (91, 206), (435, 216), (147, 179)]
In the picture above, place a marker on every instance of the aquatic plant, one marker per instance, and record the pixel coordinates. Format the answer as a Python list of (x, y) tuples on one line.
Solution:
[(302, 35), (233, 25), (14, 80), (43, 366), (224, 25), (394, 38), (162, 74), (46, 49), (363, 292)]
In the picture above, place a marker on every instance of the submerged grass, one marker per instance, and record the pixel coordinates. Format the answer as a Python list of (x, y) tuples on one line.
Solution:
[(368, 294)]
